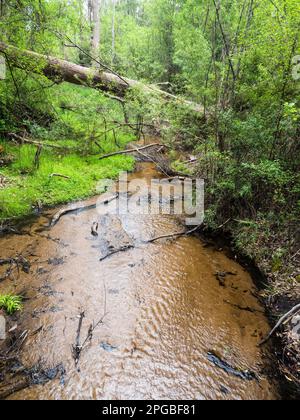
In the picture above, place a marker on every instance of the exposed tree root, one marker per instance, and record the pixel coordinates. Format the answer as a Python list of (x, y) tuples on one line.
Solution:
[(15, 263), (246, 375), (11, 388)]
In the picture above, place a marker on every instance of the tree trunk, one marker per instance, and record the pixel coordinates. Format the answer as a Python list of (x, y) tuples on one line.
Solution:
[(60, 70), (96, 30), (2, 8), (113, 32), (63, 71)]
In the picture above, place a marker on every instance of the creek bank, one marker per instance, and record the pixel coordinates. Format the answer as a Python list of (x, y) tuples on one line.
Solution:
[(261, 274), (273, 259), (218, 243), (285, 347)]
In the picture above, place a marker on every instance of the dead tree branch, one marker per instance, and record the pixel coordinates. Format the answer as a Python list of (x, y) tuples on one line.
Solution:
[(23, 140), (280, 322), (77, 348), (117, 251), (128, 151), (56, 218), (175, 235)]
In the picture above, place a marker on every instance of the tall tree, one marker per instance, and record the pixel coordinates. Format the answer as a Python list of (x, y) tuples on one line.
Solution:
[(96, 28), (113, 32)]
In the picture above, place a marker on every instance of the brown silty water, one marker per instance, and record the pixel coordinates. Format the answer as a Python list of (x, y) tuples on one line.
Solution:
[(165, 310)]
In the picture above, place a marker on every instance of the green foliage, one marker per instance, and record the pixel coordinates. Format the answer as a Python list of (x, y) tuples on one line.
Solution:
[(30, 188), (234, 57), (10, 303), (67, 116), (236, 60)]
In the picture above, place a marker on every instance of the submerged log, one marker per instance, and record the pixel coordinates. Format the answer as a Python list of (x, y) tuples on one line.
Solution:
[(59, 70), (246, 375), (8, 389)]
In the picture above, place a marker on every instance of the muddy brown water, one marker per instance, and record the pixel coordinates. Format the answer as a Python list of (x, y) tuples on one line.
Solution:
[(165, 311)]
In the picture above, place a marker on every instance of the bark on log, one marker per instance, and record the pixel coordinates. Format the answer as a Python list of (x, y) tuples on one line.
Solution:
[(60, 70)]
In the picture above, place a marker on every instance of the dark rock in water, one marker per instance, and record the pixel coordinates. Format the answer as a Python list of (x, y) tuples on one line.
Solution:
[(94, 229), (113, 238), (107, 347), (26, 267), (113, 291), (55, 261), (40, 376), (16, 367), (42, 270), (221, 277), (245, 375), (224, 390)]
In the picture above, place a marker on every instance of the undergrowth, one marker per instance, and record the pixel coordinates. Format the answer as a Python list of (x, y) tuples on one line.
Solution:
[(10, 303), (81, 118)]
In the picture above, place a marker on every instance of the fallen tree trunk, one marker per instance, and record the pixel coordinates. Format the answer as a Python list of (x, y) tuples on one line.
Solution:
[(60, 70), (128, 151), (64, 71)]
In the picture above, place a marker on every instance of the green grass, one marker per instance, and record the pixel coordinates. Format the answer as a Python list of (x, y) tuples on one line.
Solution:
[(10, 303), (28, 188)]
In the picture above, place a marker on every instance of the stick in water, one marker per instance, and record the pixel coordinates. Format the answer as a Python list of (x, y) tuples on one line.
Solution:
[(175, 235)]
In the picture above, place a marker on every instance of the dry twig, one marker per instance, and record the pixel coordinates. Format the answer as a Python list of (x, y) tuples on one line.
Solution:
[(280, 322), (175, 235)]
